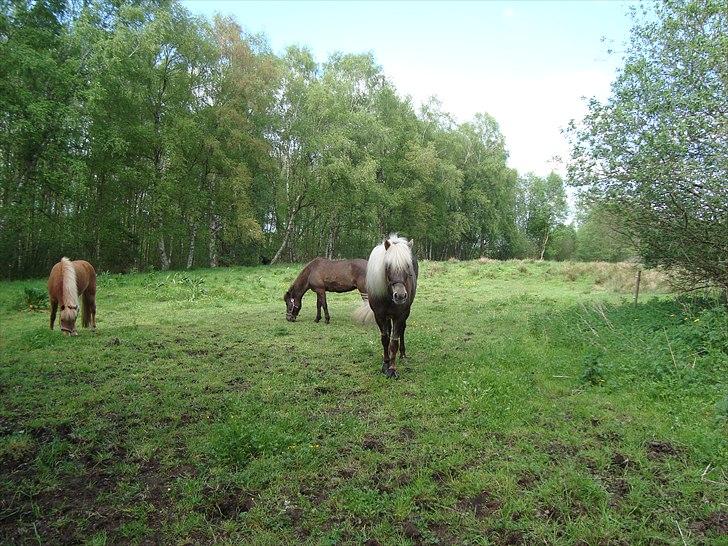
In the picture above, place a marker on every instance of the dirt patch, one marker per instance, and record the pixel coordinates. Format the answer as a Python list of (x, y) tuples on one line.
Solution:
[(238, 383), (183, 471), (372, 443), (322, 389), (382, 484), (482, 505), (47, 434), (228, 503), (557, 450), (346, 473), (550, 513), (316, 493), (619, 489), (196, 352), (621, 461), (412, 532), (716, 524), (442, 534), (513, 537), (406, 434), (372, 542), (505, 536), (527, 479), (658, 450), (65, 513)]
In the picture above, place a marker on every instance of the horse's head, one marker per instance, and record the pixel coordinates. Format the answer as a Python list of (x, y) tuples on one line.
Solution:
[(293, 306), (398, 269), (68, 319)]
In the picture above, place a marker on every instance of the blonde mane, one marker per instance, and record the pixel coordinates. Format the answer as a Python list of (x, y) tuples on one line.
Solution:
[(70, 292), (397, 257)]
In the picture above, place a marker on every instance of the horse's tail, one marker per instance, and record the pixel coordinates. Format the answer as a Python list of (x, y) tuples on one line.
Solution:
[(364, 313)]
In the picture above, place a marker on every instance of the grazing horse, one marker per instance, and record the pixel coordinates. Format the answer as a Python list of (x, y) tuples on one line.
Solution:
[(67, 281), (321, 276), (391, 284)]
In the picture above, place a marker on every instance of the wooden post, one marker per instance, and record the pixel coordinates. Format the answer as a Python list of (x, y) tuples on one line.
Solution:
[(637, 286)]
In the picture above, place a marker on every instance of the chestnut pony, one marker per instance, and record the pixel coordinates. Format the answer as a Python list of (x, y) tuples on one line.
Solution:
[(322, 275), (68, 281), (391, 284)]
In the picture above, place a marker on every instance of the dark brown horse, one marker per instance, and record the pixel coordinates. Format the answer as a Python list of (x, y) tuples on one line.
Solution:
[(321, 276), (66, 282), (391, 284)]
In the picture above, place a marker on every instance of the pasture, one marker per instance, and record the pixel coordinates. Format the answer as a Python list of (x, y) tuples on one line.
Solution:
[(537, 405)]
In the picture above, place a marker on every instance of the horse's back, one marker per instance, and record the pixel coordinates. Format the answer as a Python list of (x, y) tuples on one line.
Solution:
[(337, 275), (85, 275)]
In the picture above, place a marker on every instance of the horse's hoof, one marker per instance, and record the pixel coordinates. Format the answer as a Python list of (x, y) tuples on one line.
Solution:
[(385, 366), (402, 356), (392, 373), (317, 320)]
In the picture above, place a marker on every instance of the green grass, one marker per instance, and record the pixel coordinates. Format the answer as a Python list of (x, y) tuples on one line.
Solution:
[(536, 406)]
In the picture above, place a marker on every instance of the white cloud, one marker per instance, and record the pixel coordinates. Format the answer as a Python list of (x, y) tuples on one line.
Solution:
[(531, 110)]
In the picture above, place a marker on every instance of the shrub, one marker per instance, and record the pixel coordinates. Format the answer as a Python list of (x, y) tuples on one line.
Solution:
[(34, 298)]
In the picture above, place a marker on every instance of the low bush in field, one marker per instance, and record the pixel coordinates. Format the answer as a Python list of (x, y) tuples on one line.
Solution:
[(661, 345), (33, 298)]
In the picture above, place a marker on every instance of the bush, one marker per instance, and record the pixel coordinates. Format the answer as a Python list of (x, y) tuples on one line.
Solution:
[(34, 298), (660, 346)]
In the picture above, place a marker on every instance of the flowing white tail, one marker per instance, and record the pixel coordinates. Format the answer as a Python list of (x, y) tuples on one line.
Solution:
[(364, 313)]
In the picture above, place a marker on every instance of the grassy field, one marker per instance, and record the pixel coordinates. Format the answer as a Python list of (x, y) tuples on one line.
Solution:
[(537, 405)]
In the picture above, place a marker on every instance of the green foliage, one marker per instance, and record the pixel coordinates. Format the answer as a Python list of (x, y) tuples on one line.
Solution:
[(562, 244), (721, 408), (662, 345), (653, 155), (169, 141), (598, 240), (542, 208), (592, 371), (34, 298)]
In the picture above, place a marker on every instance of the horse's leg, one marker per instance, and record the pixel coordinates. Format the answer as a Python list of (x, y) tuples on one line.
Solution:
[(394, 347), (384, 328), (319, 303), (89, 306), (54, 308), (401, 340), (326, 308)]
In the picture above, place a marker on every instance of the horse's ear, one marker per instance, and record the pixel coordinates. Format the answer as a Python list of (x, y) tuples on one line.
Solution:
[(387, 244), (410, 243)]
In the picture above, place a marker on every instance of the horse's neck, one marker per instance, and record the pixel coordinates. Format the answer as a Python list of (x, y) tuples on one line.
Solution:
[(300, 285)]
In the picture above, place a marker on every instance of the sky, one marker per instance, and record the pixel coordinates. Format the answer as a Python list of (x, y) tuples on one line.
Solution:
[(529, 64)]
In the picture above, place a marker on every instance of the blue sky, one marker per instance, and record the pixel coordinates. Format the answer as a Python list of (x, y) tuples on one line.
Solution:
[(526, 63)]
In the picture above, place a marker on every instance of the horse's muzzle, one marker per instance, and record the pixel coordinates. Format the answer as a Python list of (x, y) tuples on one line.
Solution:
[(399, 298)]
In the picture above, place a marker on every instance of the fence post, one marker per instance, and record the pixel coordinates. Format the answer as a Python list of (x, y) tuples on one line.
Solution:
[(637, 286)]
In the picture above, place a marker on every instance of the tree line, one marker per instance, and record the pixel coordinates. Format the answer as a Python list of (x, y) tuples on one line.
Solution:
[(136, 135)]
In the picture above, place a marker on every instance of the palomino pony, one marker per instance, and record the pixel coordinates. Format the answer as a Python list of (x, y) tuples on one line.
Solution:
[(321, 276), (67, 281), (391, 284)]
